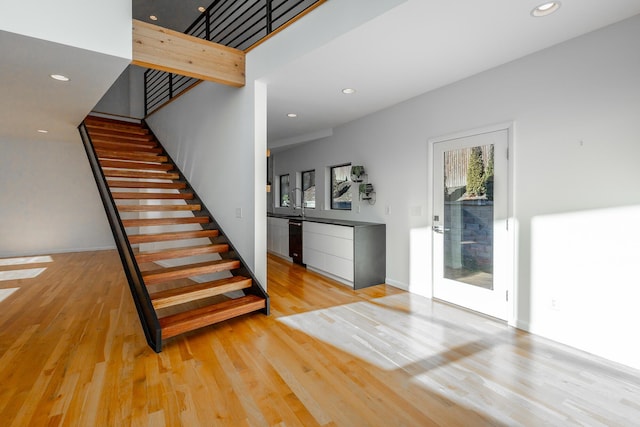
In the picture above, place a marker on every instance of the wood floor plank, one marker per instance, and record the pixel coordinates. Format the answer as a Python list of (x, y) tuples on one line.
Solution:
[(72, 352)]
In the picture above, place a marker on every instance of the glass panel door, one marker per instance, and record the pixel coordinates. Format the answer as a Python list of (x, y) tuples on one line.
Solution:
[(470, 222)]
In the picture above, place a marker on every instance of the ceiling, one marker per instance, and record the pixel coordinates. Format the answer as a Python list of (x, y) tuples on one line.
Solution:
[(414, 48), (177, 15), (31, 100)]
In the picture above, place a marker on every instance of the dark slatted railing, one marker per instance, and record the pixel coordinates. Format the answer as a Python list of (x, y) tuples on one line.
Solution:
[(240, 24)]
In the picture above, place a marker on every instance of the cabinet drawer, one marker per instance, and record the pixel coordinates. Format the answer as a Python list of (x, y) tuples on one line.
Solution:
[(340, 231), (336, 246), (340, 267)]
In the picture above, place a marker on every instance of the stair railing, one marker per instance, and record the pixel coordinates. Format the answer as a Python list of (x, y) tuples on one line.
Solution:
[(146, 312), (240, 25)]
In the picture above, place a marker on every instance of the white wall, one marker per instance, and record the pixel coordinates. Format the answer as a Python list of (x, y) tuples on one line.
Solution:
[(101, 26), (576, 200), (49, 202)]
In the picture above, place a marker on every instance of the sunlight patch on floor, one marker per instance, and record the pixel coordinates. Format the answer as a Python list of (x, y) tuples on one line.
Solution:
[(25, 260), (391, 332), (26, 273), (6, 293)]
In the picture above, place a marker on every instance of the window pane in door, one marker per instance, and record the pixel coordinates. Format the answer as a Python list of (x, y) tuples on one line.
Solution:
[(468, 215)]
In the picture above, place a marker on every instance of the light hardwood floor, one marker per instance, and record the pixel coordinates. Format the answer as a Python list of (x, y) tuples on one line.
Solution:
[(72, 353)]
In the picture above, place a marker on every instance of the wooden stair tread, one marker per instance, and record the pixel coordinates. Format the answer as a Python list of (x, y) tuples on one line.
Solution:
[(117, 135), (130, 155), (126, 173), (157, 208), (144, 184), (190, 270), (176, 296), (102, 122), (131, 165), (189, 320), (173, 235), (152, 222), (124, 146), (182, 252), (151, 196)]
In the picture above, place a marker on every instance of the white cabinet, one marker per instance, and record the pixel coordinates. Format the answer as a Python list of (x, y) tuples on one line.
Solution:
[(329, 249), (351, 252), (278, 236)]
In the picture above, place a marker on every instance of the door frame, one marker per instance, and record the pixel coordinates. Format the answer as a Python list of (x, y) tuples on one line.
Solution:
[(512, 256)]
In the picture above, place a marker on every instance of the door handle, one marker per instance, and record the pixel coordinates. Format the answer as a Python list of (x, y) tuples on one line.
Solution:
[(439, 229)]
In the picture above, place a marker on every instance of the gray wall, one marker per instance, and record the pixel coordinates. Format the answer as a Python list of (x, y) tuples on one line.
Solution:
[(49, 201), (126, 96)]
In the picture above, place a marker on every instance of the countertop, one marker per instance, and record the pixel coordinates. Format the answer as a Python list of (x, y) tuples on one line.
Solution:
[(342, 222)]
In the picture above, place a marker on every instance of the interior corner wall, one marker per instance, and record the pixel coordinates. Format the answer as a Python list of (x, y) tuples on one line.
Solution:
[(575, 109), (126, 96), (58, 208), (117, 99)]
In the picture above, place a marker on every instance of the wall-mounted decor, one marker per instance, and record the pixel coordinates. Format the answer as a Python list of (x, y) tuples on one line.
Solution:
[(357, 173), (365, 190)]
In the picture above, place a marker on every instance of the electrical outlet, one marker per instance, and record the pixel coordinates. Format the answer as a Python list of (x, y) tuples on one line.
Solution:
[(555, 305), (238, 212), (387, 210)]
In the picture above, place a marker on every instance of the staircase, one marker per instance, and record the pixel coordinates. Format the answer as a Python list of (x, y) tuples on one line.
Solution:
[(183, 272)]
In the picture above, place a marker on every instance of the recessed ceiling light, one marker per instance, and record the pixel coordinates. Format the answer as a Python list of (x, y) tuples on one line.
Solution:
[(43, 131), (60, 77), (348, 91), (202, 9), (545, 9), (292, 115), (153, 17)]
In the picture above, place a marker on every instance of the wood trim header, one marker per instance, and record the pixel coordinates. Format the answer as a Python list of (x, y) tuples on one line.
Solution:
[(167, 50)]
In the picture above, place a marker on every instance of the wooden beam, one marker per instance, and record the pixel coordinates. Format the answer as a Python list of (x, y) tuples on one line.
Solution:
[(167, 50)]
